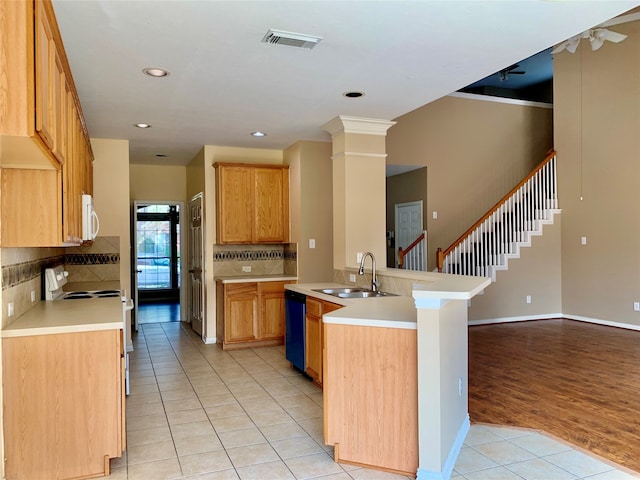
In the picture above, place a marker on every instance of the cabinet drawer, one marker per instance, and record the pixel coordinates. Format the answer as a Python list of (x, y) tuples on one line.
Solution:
[(314, 307)]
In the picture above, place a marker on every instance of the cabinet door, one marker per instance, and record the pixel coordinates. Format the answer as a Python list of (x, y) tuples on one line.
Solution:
[(271, 325), (31, 207), (235, 204), (59, 89), (240, 312), (271, 221), (64, 395), (44, 69)]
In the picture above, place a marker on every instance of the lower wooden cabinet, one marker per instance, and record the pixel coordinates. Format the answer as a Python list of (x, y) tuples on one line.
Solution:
[(64, 404), (371, 396), (314, 341), (250, 314)]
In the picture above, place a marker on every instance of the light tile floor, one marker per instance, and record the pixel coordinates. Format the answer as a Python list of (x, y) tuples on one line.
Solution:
[(196, 412)]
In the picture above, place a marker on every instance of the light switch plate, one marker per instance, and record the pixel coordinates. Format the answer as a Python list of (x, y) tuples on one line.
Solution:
[(312, 243), (435, 215), (583, 240)]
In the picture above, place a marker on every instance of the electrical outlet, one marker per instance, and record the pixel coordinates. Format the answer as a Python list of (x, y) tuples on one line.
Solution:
[(33, 296), (636, 306), (10, 309), (528, 298), (459, 387), (352, 277), (246, 268), (312, 243), (359, 257)]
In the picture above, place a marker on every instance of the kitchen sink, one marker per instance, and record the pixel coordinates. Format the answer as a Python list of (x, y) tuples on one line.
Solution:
[(353, 292)]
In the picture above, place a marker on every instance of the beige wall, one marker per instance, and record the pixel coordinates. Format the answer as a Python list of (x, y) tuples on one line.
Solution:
[(597, 131), (476, 151), (195, 176), (111, 198), (311, 213), (536, 273), (158, 183)]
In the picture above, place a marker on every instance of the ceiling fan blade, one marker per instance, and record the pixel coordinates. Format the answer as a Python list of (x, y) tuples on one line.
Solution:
[(614, 37)]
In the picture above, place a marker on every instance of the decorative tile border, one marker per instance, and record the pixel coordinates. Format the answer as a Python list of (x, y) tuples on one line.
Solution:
[(13, 275), (92, 258), (253, 255)]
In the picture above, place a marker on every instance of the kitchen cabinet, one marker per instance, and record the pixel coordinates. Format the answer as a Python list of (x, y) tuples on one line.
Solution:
[(43, 137), (64, 404), (250, 314), (314, 341), (371, 396), (252, 203)]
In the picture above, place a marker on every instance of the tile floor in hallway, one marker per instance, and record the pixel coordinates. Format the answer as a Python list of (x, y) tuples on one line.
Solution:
[(196, 412)]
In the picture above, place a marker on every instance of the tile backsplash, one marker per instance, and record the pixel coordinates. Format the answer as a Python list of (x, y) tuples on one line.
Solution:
[(22, 270), (262, 259)]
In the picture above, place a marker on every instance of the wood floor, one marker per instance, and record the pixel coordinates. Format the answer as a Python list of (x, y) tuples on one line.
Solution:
[(575, 380)]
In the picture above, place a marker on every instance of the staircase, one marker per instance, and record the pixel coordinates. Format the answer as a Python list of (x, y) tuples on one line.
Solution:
[(498, 236), (414, 257)]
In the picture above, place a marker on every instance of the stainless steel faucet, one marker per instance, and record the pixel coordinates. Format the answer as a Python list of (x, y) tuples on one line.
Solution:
[(374, 278)]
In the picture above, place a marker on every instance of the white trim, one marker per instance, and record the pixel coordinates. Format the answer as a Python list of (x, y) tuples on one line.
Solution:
[(554, 316), (519, 318), (511, 101), (358, 154), (607, 323), (209, 340), (368, 126), (450, 462)]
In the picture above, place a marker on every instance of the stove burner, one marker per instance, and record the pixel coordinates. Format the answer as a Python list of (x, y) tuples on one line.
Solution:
[(91, 294)]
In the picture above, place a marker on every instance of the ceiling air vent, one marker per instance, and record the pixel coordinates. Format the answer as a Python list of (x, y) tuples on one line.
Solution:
[(299, 40)]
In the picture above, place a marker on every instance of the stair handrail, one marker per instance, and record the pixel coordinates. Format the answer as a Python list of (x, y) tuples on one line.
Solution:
[(403, 252), (440, 254)]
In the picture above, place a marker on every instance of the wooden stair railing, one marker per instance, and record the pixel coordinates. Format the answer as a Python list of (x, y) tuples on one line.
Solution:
[(442, 255), (415, 257)]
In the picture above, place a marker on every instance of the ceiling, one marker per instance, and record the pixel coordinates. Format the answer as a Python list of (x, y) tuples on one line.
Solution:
[(225, 83)]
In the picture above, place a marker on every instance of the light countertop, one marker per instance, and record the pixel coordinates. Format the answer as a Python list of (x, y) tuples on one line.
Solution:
[(390, 312), (255, 278), (68, 316)]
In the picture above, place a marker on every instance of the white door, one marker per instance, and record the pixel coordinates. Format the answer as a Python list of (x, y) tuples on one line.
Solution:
[(408, 218), (196, 261)]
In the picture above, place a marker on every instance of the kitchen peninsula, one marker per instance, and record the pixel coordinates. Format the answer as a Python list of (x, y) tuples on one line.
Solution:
[(395, 372)]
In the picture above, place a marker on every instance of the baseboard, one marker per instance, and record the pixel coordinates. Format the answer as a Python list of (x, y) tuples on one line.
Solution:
[(607, 323), (522, 318), (550, 316), (454, 452), (209, 340)]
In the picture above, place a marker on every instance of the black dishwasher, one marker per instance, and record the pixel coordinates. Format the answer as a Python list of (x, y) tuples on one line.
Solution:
[(295, 309)]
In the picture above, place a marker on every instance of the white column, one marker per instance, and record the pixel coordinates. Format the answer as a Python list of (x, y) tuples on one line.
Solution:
[(443, 412)]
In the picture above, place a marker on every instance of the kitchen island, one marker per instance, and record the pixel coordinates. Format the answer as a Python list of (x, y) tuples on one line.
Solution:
[(395, 374), (63, 389)]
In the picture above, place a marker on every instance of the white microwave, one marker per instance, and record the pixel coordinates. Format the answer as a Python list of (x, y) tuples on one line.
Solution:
[(90, 222)]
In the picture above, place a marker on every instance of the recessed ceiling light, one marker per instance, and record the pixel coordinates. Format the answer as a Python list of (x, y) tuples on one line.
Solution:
[(258, 134), (142, 125), (156, 72), (353, 94)]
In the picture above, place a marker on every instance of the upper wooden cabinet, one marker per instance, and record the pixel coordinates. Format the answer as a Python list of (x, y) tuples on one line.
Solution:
[(252, 203), (45, 152)]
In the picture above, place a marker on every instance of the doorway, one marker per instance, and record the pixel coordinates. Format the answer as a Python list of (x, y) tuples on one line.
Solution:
[(408, 224), (158, 261)]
